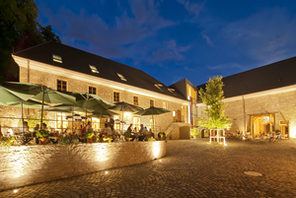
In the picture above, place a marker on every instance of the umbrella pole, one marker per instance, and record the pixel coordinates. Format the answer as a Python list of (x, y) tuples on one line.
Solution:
[(42, 107), (22, 106), (72, 118), (62, 121)]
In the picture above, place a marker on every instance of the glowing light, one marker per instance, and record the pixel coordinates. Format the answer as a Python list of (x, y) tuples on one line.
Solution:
[(293, 129), (156, 149), (127, 114), (15, 190), (101, 152), (106, 172), (160, 160), (174, 113), (10, 131)]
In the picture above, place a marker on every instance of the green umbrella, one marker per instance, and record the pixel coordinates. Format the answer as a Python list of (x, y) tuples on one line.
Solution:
[(125, 107), (152, 111), (9, 97), (12, 97), (40, 93)]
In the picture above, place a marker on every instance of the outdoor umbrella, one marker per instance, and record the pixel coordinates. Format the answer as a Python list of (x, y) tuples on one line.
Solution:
[(10, 97), (88, 103), (125, 107), (152, 111), (40, 93)]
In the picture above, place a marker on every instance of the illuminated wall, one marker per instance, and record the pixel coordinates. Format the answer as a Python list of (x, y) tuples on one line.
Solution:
[(23, 165), (282, 105)]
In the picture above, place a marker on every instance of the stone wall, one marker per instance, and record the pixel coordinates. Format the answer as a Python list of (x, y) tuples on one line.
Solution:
[(50, 80), (283, 105), (23, 165)]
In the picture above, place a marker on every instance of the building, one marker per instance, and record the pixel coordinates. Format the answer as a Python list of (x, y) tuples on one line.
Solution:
[(261, 100), (68, 69), (188, 91)]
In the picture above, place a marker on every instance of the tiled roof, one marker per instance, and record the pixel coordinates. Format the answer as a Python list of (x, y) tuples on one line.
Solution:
[(275, 75), (80, 61)]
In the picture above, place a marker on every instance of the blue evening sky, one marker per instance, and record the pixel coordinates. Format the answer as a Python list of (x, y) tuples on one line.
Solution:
[(176, 39)]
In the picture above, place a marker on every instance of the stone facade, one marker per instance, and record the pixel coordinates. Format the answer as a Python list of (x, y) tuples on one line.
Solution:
[(24, 165), (240, 109), (162, 122)]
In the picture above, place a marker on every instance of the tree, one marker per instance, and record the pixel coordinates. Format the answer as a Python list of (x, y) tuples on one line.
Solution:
[(213, 96), (19, 30)]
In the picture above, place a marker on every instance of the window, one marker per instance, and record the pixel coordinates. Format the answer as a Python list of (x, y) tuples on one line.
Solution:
[(164, 105), (57, 58), (151, 103), (116, 97), (158, 86), (61, 85), (136, 100), (92, 90), (171, 90), (94, 69), (121, 77)]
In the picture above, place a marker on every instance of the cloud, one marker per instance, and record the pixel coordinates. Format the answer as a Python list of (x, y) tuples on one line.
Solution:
[(111, 40), (225, 66), (192, 8), (206, 37), (169, 52), (265, 37)]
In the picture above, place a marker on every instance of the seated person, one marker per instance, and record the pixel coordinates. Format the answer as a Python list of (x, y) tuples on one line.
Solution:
[(141, 133)]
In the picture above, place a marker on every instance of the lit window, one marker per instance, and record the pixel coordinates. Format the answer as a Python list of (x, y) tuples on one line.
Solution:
[(136, 100), (94, 69), (121, 77), (116, 97), (92, 90), (158, 86), (164, 105), (57, 58), (171, 90), (61, 85), (151, 103)]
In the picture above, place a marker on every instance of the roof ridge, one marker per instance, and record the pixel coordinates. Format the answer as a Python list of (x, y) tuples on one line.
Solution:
[(29, 48)]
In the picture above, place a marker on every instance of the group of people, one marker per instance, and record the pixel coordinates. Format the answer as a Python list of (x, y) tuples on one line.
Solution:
[(140, 135)]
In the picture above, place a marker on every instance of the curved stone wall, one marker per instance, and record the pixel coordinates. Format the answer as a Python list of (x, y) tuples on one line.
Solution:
[(23, 165)]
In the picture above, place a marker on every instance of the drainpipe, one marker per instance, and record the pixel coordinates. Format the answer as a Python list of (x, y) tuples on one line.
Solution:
[(244, 112)]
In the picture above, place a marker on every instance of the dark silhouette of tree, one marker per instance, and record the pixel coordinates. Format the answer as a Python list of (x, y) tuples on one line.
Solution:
[(19, 30)]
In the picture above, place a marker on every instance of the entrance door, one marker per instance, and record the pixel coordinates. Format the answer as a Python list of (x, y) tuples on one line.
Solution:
[(284, 129), (262, 125)]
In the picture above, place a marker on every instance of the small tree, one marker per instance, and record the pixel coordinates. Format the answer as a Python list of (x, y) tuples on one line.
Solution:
[(213, 96)]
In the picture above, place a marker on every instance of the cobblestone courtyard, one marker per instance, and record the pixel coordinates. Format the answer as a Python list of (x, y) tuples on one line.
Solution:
[(191, 169)]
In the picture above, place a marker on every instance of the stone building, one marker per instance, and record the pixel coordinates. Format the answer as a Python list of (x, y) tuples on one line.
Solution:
[(261, 100), (65, 68)]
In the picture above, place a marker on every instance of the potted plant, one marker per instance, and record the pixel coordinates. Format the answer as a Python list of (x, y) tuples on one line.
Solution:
[(127, 135), (194, 133), (7, 141), (42, 136), (89, 136), (107, 139), (161, 136)]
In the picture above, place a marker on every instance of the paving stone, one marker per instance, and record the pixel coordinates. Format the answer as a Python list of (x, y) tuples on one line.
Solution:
[(192, 168)]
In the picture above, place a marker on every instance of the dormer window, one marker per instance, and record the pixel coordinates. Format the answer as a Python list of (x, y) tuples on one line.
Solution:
[(121, 77), (94, 69), (171, 90), (158, 86), (57, 58)]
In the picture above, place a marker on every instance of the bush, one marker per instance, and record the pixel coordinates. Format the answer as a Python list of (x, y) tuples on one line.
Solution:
[(195, 132), (89, 134), (42, 134), (68, 139), (7, 141)]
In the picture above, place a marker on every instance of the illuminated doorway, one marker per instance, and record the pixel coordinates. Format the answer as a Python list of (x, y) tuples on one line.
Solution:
[(262, 125)]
